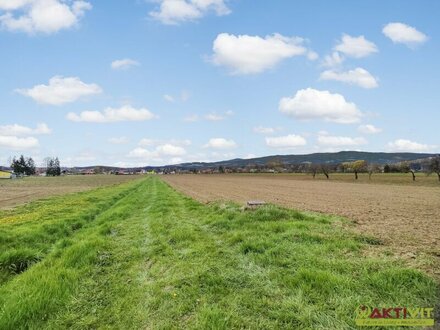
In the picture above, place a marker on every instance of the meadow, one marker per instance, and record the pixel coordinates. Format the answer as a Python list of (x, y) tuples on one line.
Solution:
[(143, 255)]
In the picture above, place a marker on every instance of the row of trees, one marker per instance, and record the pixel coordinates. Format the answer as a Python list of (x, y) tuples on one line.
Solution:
[(26, 166), (428, 166)]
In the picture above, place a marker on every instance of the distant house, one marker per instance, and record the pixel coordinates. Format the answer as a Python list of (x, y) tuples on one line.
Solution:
[(5, 174)]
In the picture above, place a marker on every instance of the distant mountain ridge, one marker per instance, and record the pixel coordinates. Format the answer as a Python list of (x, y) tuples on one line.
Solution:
[(315, 158), (319, 158)]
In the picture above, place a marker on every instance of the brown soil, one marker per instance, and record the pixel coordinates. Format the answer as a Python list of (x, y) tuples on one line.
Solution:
[(406, 218), (20, 191)]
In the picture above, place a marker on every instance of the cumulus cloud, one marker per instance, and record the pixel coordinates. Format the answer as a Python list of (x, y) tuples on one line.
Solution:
[(45, 16), (340, 141), (173, 12), (335, 59), (111, 115), (158, 154), (61, 90), (358, 76), (119, 140), (220, 143), (407, 145), (124, 64), (18, 130), (244, 54), (314, 104), (170, 150), (355, 46), (17, 143), (401, 33), (369, 129), (288, 141)]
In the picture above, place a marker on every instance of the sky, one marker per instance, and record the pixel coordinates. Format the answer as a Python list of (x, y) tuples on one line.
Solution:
[(153, 82)]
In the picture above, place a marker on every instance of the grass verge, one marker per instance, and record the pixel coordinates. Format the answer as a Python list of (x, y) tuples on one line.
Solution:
[(149, 257)]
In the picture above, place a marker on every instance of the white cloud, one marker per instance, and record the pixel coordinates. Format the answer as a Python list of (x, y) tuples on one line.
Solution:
[(119, 140), (220, 143), (146, 142), (314, 104), (264, 130), (339, 141), (18, 130), (244, 54), (111, 115), (46, 16), (404, 34), (407, 145), (335, 59), (159, 154), (168, 98), (358, 76), (356, 46), (288, 141), (312, 56), (177, 11), (124, 64), (170, 150), (17, 143), (61, 90), (183, 97), (369, 129)]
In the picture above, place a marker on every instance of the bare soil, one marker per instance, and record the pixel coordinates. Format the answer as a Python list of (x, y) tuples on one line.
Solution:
[(20, 191), (404, 217)]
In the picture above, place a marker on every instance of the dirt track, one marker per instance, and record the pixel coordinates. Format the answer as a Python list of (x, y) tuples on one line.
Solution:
[(404, 217)]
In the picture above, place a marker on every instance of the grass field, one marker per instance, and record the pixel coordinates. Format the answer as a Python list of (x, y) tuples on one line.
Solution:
[(141, 255)]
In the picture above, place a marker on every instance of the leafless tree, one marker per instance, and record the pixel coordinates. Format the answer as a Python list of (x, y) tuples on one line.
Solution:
[(373, 168), (434, 166)]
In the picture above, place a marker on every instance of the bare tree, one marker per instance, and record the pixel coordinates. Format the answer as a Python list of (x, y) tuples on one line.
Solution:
[(373, 168), (405, 167), (434, 166), (325, 169)]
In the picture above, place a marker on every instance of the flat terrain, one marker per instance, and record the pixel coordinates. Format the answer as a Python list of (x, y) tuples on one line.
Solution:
[(21, 191), (391, 208), (141, 255)]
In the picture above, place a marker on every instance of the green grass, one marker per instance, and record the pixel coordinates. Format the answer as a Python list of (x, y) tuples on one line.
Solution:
[(141, 255)]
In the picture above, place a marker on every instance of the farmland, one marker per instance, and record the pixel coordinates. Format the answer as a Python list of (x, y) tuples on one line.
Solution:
[(20, 191), (143, 255), (402, 215)]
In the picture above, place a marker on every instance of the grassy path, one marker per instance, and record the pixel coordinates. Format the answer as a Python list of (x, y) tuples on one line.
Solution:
[(144, 256)]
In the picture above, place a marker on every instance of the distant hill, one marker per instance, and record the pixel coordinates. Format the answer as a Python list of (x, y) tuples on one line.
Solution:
[(316, 158)]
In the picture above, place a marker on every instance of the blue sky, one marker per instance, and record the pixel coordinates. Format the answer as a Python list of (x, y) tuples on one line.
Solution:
[(135, 82)]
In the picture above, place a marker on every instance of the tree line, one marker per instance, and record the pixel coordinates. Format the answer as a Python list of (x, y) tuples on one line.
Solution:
[(26, 166), (428, 166)]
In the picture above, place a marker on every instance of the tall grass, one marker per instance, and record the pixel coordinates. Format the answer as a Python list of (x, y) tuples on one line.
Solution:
[(144, 256)]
